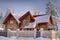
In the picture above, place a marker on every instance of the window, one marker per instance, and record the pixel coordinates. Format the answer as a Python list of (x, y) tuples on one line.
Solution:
[(24, 21), (11, 21)]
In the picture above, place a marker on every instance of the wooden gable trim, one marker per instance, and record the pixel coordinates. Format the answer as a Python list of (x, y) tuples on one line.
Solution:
[(8, 18), (43, 23), (51, 20), (25, 15), (39, 15)]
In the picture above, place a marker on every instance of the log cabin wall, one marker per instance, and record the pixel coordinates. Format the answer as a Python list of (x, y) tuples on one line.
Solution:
[(43, 25), (25, 22), (13, 26)]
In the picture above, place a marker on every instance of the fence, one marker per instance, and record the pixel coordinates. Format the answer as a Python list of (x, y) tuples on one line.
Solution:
[(26, 34), (11, 33), (19, 33), (44, 34)]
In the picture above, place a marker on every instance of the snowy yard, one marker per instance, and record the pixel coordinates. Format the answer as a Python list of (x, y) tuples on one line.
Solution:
[(24, 38)]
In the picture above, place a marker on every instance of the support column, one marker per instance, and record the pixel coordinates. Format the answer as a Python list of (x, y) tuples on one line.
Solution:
[(41, 32), (53, 35), (34, 33)]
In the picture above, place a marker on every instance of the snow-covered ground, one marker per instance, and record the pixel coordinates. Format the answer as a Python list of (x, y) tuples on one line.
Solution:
[(23, 38)]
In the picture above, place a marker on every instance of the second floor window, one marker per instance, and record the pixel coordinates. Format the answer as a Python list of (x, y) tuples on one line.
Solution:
[(11, 21)]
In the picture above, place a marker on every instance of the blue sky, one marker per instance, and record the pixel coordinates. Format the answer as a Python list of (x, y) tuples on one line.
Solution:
[(22, 6)]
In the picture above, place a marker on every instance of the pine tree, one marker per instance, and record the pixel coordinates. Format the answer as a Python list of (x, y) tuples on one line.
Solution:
[(52, 11)]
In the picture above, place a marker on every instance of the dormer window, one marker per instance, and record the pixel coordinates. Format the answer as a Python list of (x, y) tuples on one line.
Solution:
[(11, 21)]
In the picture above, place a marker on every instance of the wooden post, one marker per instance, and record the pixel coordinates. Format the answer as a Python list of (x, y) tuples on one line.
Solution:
[(34, 33), (53, 35)]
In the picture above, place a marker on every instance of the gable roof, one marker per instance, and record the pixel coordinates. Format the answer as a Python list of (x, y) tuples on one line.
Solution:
[(25, 15), (42, 19), (9, 16), (8, 12), (45, 18)]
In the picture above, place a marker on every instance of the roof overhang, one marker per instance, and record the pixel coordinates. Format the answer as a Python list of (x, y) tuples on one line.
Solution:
[(25, 15)]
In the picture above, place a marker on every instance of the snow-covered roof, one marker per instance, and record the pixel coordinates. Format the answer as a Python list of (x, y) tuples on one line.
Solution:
[(8, 12), (31, 25), (25, 15), (15, 16), (41, 19)]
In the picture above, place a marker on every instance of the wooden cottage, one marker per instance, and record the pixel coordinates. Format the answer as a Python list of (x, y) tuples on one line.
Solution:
[(10, 22), (27, 21), (42, 21)]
